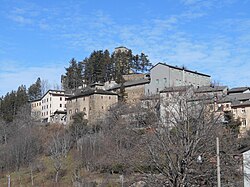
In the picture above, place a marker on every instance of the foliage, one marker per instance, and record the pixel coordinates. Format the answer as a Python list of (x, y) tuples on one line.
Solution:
[(12, 102), (74, 75), (35, 90), (100, 66)]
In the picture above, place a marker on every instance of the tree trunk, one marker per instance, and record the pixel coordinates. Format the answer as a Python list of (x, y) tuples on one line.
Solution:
[(32, 177), (56, 179)]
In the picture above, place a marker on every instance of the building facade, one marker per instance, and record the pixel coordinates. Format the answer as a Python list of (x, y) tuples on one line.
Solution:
[(164, 76), (36, 109), (134, 89), (94, 103), (53, 101)]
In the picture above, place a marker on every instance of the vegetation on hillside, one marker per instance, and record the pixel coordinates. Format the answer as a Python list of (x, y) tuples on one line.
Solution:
[(100, 66), (130, 141)]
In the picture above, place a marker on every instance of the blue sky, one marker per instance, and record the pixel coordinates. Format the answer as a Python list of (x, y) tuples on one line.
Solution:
[(39, 37)]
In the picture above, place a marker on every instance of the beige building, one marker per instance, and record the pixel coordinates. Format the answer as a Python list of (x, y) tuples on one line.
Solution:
[(121, 49), (236, 106), (53, 101), (36, 109), (241, 111), (134, 89), (94, 102)]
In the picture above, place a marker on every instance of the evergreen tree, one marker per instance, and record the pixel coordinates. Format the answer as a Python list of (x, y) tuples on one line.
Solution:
[(98, 67), (123, 63), (21, 96), (108, 66), (74, 75), (12, 102), (35, 90), (8, 106), (144, 64)]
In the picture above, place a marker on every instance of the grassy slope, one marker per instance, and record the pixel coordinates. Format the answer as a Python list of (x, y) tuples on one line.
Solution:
[(45, 177)]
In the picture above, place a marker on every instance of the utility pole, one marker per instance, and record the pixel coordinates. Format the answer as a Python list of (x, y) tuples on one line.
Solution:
[(218, 161)]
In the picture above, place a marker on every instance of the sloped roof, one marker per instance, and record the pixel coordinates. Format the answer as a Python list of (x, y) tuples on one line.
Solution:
[(131, 83), (239, 96), (205, 98), (203, 89), (241, 104), (176, 67), (90, 91), (238, 89), (176, 89)]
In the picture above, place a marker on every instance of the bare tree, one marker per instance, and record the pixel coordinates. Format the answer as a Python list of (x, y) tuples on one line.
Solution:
[(182, 149), (45, 86), (58, 149)]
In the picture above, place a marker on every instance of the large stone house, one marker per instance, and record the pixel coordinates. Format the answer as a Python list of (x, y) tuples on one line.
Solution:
[(134, 89), (93, 102), (164, 75)]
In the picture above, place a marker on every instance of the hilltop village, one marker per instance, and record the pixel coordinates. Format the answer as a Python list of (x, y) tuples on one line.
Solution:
[(121, 121), (150, 89)]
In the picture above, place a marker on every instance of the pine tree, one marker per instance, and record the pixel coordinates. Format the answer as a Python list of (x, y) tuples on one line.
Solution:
[(144, 64), (35, 90), (98, 67), (123, 63), (74, 75), (12, 102)]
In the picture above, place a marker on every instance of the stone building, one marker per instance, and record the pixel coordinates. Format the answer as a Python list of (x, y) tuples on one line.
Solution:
[(93, 102), (134, 89), (164, 76), (241, 111)]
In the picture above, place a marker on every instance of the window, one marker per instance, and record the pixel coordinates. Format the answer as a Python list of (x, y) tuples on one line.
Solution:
[(47, 106), (60, 105), (109, 97), (65, 105), (243, 110), (50, 105), (76, 110), (47, 113), (102, 107), (157, 90), (244, 122), (157, 81), (211, 107), (165, 80), (101, 97), (60, 98), (84, 108), (50, 99), (47, 99), (70, 111), (83, 98)]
